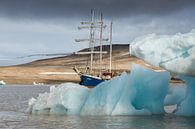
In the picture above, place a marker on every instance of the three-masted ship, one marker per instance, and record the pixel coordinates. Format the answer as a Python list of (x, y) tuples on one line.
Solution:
[(89, 78)]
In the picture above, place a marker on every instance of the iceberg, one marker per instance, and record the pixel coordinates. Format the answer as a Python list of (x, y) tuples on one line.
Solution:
[(166, 51), (140, 92), (186, 108), (66, 99), (145, 94), (176, 95), (2, 82), (176, 54)]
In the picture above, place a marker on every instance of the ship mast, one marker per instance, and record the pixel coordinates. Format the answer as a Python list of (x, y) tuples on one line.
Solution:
[(92, 25), (91, 41), (110, 68), (101, 29)]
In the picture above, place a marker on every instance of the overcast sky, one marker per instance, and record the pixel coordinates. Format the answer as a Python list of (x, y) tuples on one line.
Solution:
[(50, 26)]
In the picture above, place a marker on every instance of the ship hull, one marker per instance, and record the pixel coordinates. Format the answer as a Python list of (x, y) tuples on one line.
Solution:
[(90, 81)]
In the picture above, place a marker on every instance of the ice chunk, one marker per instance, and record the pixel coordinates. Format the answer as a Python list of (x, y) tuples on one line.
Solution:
[(140, 93), (167, 51), (186, 108), (176, 94), (105, 96), (145, 92), (2, 82), (66, 99), (39, 106), (175, 53), (30, 105)]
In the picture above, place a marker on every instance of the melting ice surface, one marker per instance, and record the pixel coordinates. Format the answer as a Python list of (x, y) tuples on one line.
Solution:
[(66, 99), (176, 95), (183, 97), (175, 53), (140, 93), (187, 106), (166, 51)]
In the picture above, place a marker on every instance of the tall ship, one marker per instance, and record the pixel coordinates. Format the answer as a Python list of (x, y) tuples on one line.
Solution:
[(96, 27)]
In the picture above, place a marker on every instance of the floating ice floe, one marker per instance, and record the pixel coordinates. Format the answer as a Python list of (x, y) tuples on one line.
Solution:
[(187, 106), (2, 82), (183, 96), (176, 94), (174, 97), (66, 99), (140, 93), (175, 53), (37, 83)]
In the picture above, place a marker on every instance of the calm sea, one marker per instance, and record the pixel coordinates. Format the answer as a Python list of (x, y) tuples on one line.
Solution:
[(14, 102)]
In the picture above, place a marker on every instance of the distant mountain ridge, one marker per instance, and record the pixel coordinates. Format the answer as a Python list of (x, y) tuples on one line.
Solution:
[(60, 61)]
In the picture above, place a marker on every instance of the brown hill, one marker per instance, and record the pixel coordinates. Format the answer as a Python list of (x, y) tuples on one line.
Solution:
[(60, 69)]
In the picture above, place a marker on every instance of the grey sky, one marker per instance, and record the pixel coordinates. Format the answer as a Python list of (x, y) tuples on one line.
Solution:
[(115, 8), (50, 26)]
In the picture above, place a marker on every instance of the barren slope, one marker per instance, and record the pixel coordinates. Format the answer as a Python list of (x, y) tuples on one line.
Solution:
[(62, 67)]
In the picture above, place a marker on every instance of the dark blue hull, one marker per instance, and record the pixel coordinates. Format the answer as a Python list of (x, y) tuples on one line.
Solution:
[(87, 80)]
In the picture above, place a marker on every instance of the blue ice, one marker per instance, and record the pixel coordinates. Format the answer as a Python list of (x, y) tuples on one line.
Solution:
[(66, 99), (176, 94), (187, 106), (140, 92), (175, 53)]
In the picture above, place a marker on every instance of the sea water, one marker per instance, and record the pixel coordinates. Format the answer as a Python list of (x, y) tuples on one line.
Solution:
[(14, 102)]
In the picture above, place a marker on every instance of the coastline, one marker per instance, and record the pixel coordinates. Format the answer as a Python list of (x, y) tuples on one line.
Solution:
[(53, 70)]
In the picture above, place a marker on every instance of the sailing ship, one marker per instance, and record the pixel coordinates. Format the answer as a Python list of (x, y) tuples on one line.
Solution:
[(88, 78)]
